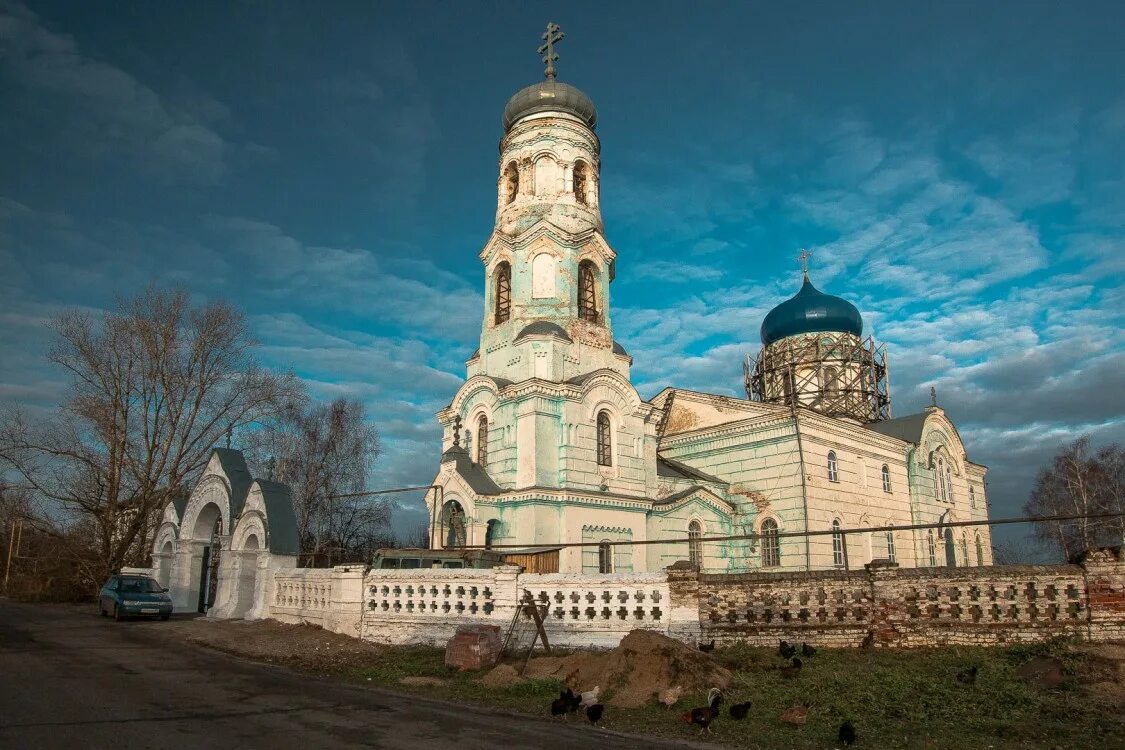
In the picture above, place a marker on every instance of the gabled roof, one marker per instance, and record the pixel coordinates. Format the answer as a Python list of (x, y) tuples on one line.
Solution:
[(238, 474), (474, 475), (908, 428), (281, 518), (666, 467)]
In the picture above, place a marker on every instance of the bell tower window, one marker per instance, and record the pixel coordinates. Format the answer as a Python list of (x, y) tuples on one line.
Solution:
[(587, 292), (482, 441), (605, 440), (580, 181), (503, 292), (543, 276), (511, 182)]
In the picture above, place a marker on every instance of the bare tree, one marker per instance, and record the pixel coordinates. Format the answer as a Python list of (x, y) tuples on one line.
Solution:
[(325, 453), (155, 384), (1080, 484)]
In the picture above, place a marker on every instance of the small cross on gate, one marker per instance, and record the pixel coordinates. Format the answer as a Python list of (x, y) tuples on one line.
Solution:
[(551, 36), (933, 396), (457, 431)]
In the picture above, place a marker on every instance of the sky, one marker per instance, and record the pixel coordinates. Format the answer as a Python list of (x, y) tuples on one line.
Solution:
[(956, 169)]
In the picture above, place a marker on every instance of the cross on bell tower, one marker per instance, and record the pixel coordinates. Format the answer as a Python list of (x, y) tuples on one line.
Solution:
[(551, 37)]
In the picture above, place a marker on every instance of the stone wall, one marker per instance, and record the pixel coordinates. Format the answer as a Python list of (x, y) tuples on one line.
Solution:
[(883, 606), (890, 606)]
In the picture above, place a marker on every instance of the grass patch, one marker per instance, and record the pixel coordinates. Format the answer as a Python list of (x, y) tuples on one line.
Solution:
[(896, 699)]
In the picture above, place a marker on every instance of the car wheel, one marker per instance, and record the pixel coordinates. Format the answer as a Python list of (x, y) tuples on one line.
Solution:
[(164, 617), (116, 614)]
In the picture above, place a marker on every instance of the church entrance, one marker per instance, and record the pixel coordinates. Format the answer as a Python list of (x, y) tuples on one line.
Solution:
[(950, 550), (453, 521), (209, 570)]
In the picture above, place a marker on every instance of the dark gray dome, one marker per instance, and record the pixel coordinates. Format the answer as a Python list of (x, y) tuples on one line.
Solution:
[(550, 96), (811, 311)]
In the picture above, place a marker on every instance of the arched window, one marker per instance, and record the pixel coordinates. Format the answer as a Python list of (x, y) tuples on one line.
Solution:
[(886, 478), (833, 467), (605, 557), (503, 292), (490, 533), (482, 440), (891, 554), (965, 548), (980, 551), (950, 550), (587, 292), (695, 546), (932, 550), (543, 276), (605, 440), (580, 181), (511, 181), (837, 544), (941, 480), (831, 379), (949, 484), (972, 497), (546, 176), (771, 544)]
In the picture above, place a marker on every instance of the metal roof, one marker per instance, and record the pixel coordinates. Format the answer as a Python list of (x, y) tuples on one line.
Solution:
[(550, 96), (474, 475), (238, 474), (544, 328), (908, 428), (280, 517), (810, 311)]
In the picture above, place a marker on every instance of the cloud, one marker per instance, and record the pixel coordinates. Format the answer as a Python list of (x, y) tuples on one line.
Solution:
[(100, 108)]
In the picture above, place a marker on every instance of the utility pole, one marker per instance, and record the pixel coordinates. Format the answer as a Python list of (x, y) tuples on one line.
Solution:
[(11, 544)]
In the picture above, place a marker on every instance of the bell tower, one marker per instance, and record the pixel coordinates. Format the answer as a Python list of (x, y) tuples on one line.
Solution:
[(547, 265)]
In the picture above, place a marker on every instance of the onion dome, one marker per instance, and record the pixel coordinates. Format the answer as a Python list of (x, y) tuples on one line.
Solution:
[(550, 96), (811, 311)]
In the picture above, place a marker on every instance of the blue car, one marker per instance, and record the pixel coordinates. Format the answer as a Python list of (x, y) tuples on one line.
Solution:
[(127, 595)]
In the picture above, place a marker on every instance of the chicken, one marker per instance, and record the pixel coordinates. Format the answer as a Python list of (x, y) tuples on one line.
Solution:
[(796, 716), (562, 704), (785, 651), (739, 711), (846, 734), (590, 697), (868, 640), (793, 669), (807, 650), (706, 647), (704, 716), (670, 696), (967, 676), (594, 712)]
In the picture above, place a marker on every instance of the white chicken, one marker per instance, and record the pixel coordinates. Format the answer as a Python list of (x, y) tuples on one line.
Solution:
[(670, 696), (590, 697)]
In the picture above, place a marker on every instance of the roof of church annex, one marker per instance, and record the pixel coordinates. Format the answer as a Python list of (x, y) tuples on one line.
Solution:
[(550, 95), (811, 311)]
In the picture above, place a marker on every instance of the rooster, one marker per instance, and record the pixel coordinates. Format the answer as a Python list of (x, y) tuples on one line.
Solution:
[(785, 651), (807, 650), (562, 705), (594, 712), (704, 716), (706, 647)]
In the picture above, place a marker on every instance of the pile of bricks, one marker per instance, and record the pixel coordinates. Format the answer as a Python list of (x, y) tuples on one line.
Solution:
[(473, 647)]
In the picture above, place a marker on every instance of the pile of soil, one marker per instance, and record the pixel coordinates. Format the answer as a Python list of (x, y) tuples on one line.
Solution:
[(632, 674), (501, 676)]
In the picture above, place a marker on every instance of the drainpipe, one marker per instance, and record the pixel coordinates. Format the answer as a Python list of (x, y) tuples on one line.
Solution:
[(801, 457)]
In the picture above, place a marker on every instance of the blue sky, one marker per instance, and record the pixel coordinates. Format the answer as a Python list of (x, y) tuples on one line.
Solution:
[(958, 172)]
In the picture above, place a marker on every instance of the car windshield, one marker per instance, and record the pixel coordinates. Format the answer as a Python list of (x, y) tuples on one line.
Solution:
[(139, 586)]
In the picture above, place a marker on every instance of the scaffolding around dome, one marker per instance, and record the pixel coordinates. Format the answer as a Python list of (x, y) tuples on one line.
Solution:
[(833, 373)]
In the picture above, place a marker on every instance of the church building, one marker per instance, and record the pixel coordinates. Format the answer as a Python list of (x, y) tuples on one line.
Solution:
[(548, 444)]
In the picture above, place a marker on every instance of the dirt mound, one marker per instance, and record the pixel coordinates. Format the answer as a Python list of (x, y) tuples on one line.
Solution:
[(633, 673), (501, 676)]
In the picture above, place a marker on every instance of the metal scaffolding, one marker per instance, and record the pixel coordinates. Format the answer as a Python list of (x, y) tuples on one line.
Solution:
[(837, 374)]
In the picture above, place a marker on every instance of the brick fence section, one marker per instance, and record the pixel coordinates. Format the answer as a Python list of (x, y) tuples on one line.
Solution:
[(888, 606)]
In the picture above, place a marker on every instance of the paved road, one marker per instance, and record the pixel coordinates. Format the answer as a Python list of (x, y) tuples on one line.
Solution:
[(69, 679)]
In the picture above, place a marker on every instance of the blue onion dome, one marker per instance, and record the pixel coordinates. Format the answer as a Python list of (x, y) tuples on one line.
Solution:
[(811, 311), (550, 96)]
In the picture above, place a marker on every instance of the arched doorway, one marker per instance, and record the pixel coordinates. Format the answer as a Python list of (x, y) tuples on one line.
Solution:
[(247, 577), (209, 530), (950, 550), (453, 524)]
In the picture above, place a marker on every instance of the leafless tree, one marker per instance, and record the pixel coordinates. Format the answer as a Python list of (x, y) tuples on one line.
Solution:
[(325, 453), (1079, 482), (418, 536), (155, 384)]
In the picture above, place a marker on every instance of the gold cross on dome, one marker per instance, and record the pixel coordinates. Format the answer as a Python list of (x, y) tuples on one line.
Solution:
[(804, 259), (551, 36)]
